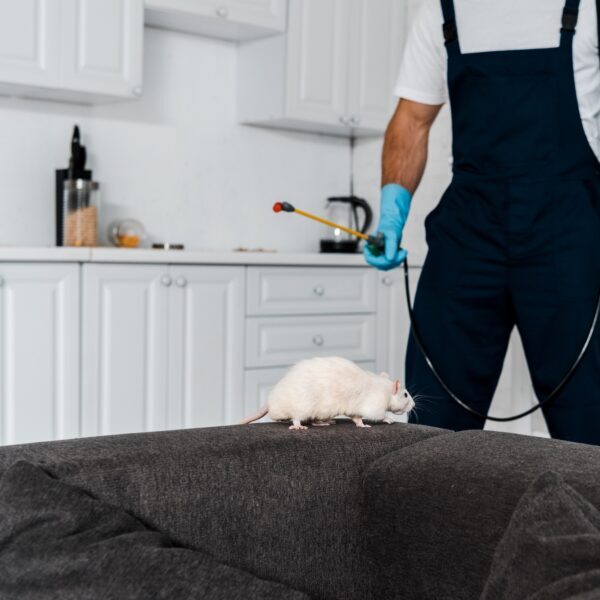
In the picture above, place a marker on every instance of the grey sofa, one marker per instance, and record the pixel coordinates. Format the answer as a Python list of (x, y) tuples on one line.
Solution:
[(339, 513)]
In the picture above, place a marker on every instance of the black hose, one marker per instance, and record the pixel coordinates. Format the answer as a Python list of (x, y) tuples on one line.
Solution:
[(549, 398)]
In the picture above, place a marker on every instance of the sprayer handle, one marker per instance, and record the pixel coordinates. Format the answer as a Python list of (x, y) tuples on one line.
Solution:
[(376, 244)]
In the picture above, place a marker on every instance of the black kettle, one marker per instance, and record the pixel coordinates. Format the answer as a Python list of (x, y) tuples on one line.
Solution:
[(344, 210)]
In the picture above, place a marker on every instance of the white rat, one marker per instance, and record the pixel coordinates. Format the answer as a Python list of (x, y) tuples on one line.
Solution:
[(319, 389)]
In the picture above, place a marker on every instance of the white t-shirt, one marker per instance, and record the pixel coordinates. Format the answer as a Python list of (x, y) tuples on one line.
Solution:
[(487, 25)]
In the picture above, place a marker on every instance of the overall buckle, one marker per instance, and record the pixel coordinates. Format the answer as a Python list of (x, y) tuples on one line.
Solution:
[(450, 31), (569, 18)]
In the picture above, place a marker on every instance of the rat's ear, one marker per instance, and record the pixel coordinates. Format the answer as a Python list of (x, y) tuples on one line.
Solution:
[(396, 387)]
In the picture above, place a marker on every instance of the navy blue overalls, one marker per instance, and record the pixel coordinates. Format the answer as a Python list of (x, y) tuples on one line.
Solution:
[(515, 239)]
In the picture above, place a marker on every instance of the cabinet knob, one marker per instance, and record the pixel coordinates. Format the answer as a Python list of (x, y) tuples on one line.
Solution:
[(355, 120), (222, 12), (181, 282), (387, 281), (166, 281), (344, 120), (318, 340), (137, 91), (319, 290)]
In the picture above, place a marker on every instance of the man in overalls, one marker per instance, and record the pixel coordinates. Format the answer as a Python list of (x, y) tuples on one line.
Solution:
[(515, 240)]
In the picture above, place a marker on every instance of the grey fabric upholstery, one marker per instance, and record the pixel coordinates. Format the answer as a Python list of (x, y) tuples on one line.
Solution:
[(437, 511), (57, 542), (551, 548), (285, 506)]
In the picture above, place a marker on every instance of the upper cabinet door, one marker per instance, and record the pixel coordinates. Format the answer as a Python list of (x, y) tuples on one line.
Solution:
[(229, 19), (317, 66), (28, 42), (377, 39), (101, 50), (39, 352)]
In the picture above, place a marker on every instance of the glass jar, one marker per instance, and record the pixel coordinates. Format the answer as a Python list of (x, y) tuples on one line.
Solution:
[(128, 233), (81, 206)]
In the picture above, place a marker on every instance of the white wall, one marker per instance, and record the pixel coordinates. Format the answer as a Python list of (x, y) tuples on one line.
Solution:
[(176, 159)]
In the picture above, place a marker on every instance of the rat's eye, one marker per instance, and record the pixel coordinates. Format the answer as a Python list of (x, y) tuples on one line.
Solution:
[(406, 394)]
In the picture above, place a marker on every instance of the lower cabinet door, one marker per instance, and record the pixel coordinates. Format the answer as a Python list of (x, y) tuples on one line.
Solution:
[(39, 352), (206, 324), (124, 387), (259, 382)]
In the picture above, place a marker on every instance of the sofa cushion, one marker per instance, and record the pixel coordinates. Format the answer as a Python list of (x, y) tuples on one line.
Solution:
[(551, 548), (283, 505), (436, 511), (56, 541)]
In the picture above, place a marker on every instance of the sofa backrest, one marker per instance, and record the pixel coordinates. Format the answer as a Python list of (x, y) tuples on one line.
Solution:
[(435, 512), (283, 505)]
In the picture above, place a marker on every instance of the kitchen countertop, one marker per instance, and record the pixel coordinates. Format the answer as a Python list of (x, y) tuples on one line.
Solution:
[(201, 257)]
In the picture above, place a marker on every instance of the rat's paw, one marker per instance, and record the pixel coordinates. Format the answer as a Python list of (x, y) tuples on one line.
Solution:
[(297, 427), (363, 426)]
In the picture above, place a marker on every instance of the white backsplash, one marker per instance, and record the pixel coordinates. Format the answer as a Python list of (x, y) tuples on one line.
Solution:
[(177, 159)]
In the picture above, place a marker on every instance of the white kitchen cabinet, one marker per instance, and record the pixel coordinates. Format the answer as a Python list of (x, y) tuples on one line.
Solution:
[(72, 50), (206, 349), (279, 341), (102, 47), (228, 19), (305, 291), (377, 40), (514, 393), (125, 349), (333, 72), (39, 352), (29, 42), (162, 347)]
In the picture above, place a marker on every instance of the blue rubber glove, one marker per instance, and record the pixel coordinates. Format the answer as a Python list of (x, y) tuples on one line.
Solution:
[(395, 205)]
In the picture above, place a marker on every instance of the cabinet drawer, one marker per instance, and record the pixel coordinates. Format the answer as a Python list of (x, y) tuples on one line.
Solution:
[(279, 341), (259, 382), (297, 290)]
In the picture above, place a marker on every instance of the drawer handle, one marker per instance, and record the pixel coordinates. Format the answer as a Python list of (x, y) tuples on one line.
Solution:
[(166, 281), (318, 340), (181, 282), (319, 291), (222, 12), (387, 281)]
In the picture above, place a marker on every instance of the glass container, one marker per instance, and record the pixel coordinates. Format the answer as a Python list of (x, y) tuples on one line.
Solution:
[(127, 233), (81, 207)]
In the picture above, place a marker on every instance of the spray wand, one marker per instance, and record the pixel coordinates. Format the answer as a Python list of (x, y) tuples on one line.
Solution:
[(375, 243)]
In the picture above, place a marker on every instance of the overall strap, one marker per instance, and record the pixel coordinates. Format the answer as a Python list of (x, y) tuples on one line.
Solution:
[(569, 21), (449, 29)]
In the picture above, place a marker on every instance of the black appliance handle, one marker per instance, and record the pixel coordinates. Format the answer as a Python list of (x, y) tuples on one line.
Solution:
[(360, 203)]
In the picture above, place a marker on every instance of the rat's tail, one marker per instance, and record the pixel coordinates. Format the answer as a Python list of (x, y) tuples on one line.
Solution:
[(259, 415)]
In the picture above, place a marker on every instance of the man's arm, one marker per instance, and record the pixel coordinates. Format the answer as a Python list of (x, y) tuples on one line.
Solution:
[(406, 141)]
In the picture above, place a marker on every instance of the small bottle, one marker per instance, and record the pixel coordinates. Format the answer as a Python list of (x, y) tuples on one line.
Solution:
[(81, 206)]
